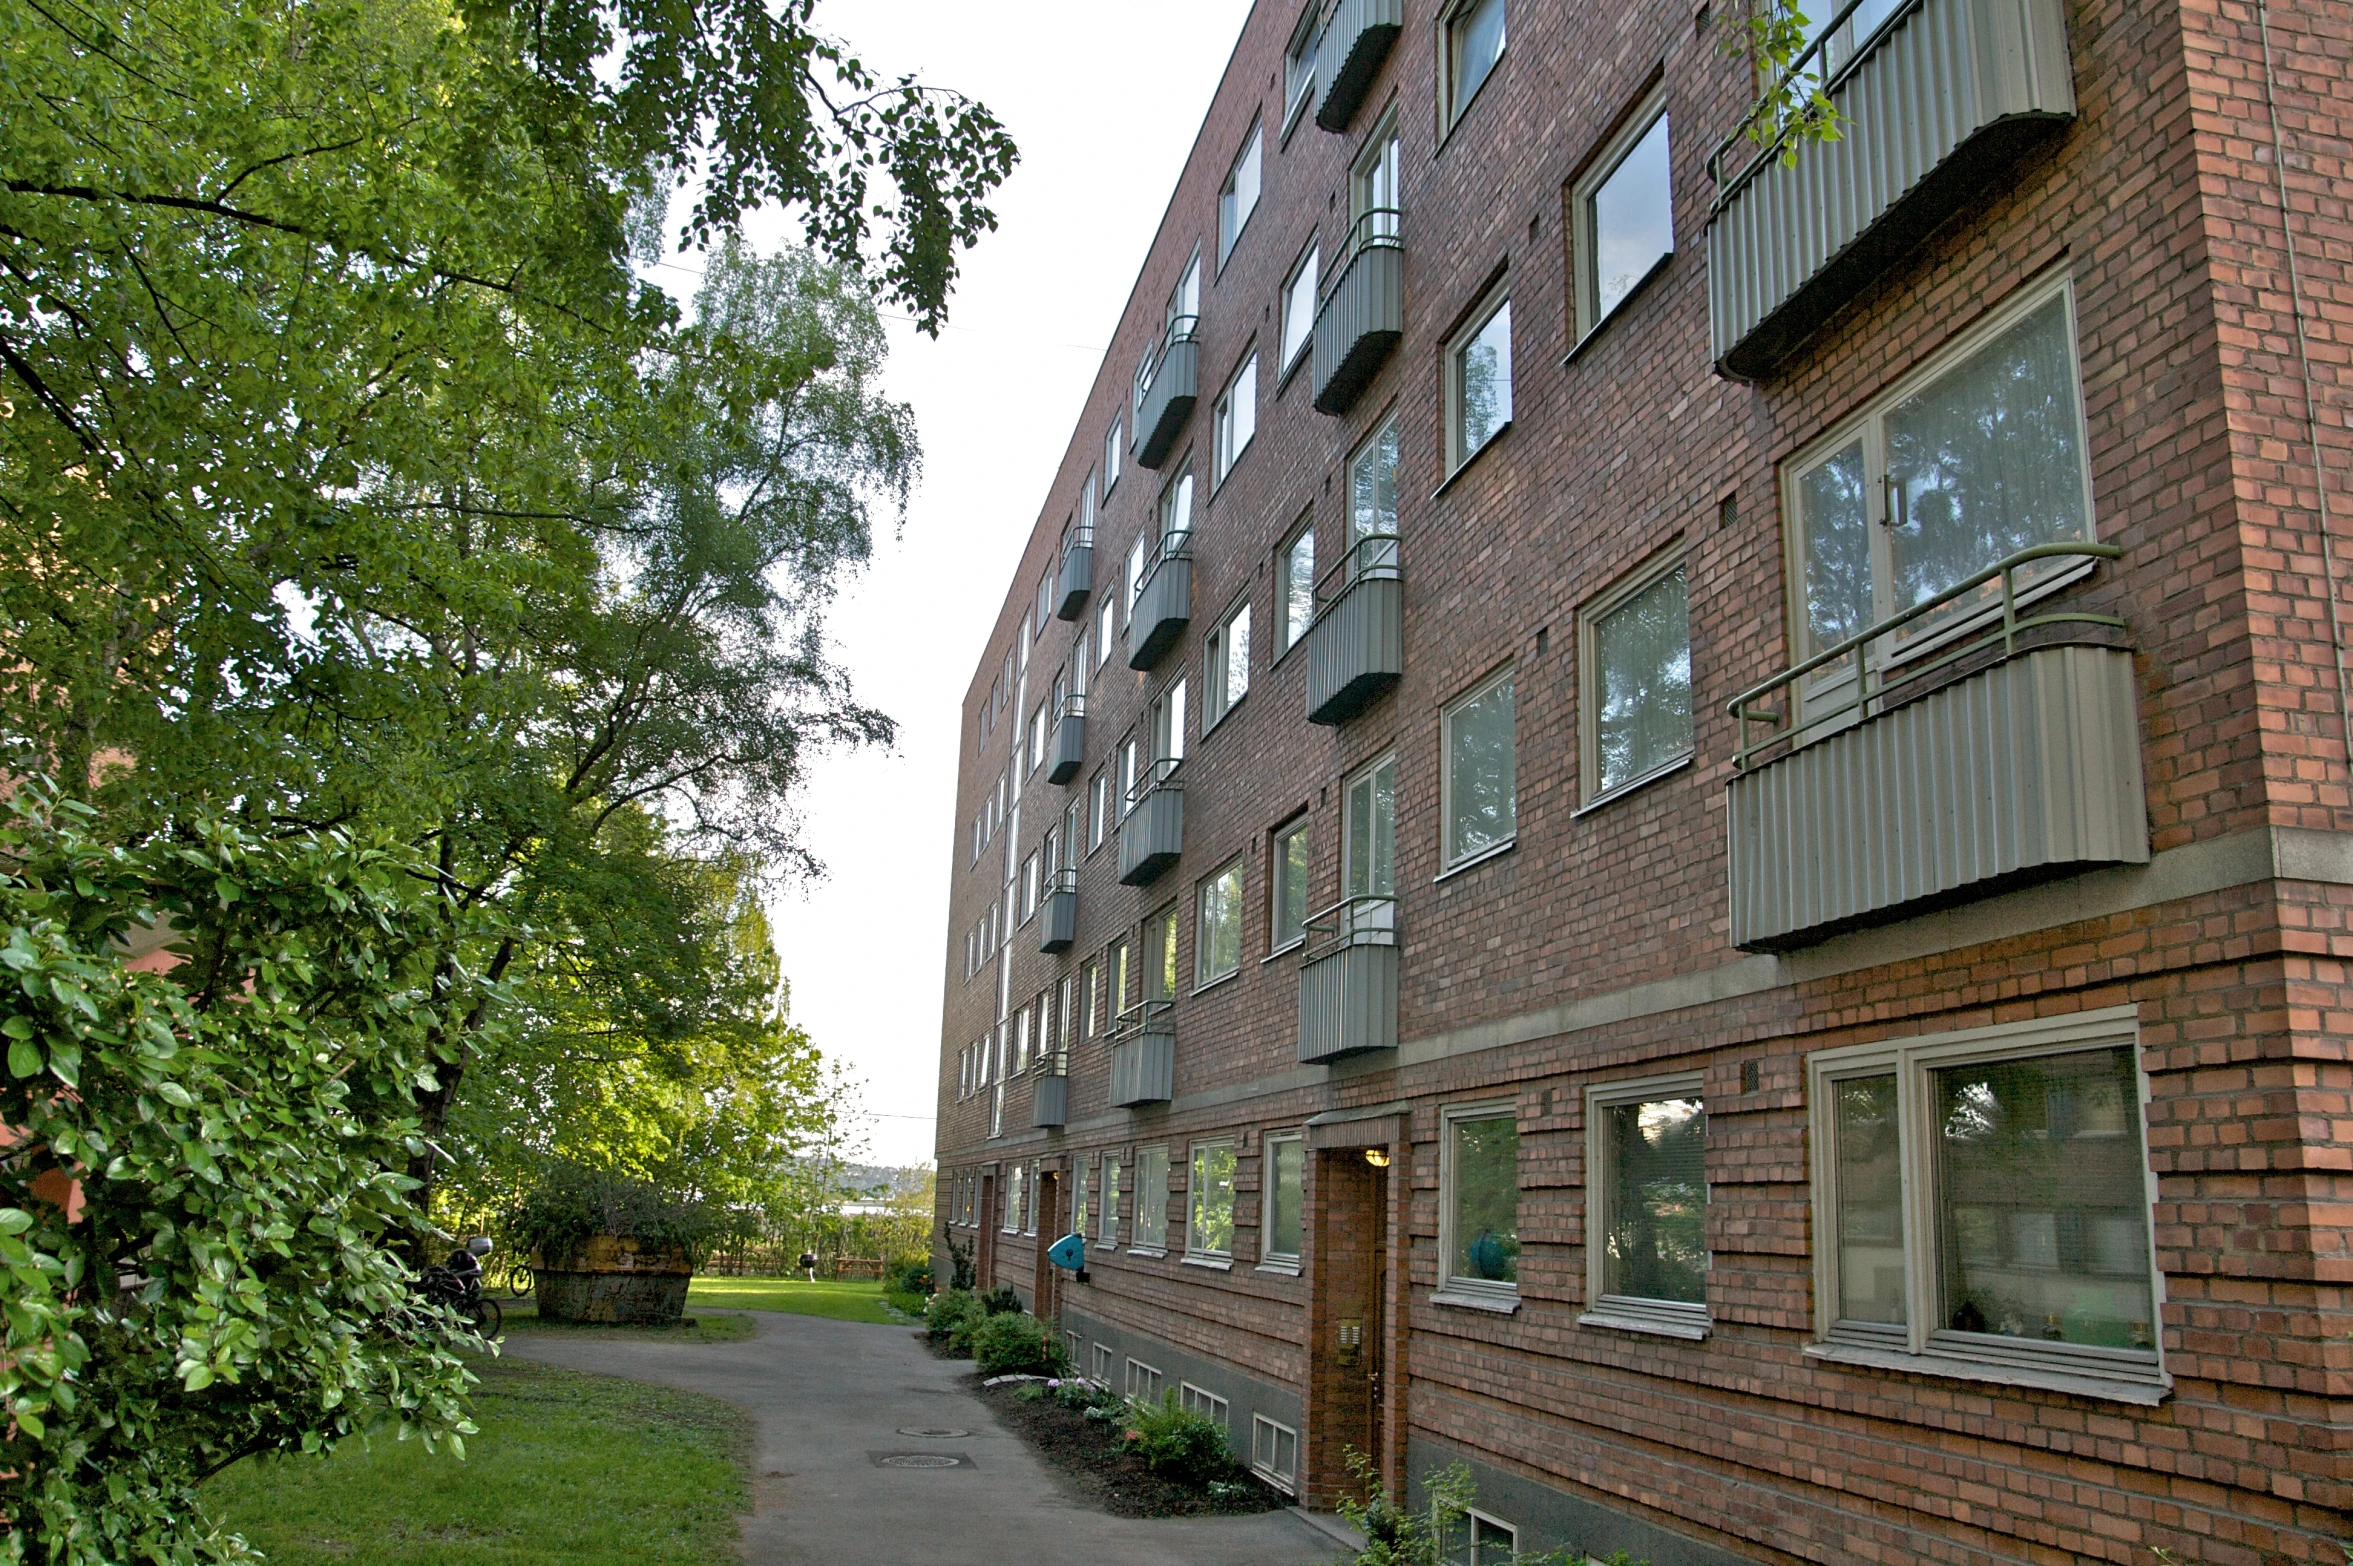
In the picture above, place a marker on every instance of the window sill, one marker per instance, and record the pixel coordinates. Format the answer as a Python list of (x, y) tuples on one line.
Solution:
[(1577, 349), (1155, 1252), (2148, 1394), (1283, 950), (1216, 983), (1502, 1304), (1467, 463), (1634, 785), (1224, 713), (1494, 851), (1107, 1245), (1290, 372), (1288, 1269), (1661, 1326), (1213, 1263)]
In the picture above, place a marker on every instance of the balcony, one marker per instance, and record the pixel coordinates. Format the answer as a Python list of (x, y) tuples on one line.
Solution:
[(1356, 642), (1058, 914), (1164, 602), (1143, 1055), (1069, 750), (1363, 316), (1348, 981), (1933, 110), (1153, 833), (1049, 1092), (1989, 750), (1167, 385), (1356, 40), (1077, 581)]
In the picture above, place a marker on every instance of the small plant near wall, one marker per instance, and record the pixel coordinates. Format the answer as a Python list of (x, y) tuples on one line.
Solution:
[(1178, 1443), (1399, 1535), (1010, 1344)]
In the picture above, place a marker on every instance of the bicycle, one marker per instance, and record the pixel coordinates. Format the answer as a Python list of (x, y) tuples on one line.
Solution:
[(458, 1287)]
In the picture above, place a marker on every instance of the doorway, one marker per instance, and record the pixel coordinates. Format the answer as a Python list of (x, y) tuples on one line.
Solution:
[(1349, 1369), (1046, 1282)]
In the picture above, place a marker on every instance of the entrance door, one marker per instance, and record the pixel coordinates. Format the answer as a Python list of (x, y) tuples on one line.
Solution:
[(1348, 1317), (1046, 1283)]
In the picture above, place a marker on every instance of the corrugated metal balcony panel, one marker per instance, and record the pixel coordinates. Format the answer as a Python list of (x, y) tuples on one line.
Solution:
[(1347, 1003), (1356, 40), (1143, 1069), (1358, 324), (1163, 609), (1944, 101), (1152, 836), (1049, 1101), (1355, 649), (1070, 747), (1058, 921), (1077, 582), (2031, 767), (1169, 402)]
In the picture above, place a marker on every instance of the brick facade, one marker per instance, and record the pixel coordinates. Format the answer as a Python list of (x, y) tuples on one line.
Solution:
[(1597, 948)]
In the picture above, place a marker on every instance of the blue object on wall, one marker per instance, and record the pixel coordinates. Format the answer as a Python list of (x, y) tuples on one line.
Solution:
[(1069, 1253)]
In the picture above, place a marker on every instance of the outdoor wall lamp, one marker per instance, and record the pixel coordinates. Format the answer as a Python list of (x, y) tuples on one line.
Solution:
[(1378, 1157)]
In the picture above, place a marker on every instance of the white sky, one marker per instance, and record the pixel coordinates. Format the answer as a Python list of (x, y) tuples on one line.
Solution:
[(1103, 97)]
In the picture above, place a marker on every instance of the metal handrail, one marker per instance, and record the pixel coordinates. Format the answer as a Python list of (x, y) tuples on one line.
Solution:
[(1080, 536), (1369, 920), (1175, 544), (1797, 67), (1180, 330), (1382, 566), (1377, 228), (1064, 879), (1136, 1020), (1074, 705), (1862, 642), (1160, 773)]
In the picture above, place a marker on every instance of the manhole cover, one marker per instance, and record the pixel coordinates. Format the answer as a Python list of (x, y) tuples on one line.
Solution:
[(924, 1433), (921, 1460)]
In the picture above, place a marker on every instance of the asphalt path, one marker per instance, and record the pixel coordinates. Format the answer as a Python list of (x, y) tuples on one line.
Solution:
[(872, 1453)]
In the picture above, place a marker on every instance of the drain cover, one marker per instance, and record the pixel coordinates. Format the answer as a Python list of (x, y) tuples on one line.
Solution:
[(924, 1433), (921, 1460)]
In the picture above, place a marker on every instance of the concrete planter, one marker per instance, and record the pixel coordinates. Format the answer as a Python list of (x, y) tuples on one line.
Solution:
[(614, 1281)]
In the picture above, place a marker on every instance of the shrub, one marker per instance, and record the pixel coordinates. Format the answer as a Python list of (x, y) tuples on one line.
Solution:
[(911, 1275), (1001, 1301), (1397, 1535), (946, 1312), (571, 1203), (1177, 1443), (1012, 1345)]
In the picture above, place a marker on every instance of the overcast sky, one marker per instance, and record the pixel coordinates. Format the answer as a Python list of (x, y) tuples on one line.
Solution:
[(994, 400)]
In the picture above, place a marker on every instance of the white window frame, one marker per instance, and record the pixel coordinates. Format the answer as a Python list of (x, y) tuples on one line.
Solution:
[(1232, 216), (1202, 978), (1296, 338), (1159, 950), (1475, 1551), (1494, 302), (1585, 240), (1448, 858), (1099, 810), (1276, 940), (1266, 1453), (1349, 824), (1029, 888), (1102, 1366), (2112, 1375), (1013, 1193), (1289, 635), (1029, 1214), (1108, 1239), (1273, 1260), (1300, 52), (1114, 450), (1195, 1251), (1589, 618), (1200, 1400), (1235, 422), (1452, 108), (1479, 1293), (1666, 1318), (1167, 717), (1221, 690), (1151, 1378), (1151, 1238)]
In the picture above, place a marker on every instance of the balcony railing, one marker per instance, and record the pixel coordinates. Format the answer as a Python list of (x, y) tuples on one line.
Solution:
[(1356, 642), (1077, 579), (1143, 1055), (1952, 750), (1069, 751), (1058, 914), (1348, 980), (1152, 834), (1049, 1090), (1167, 384), (1933, 109), (1356, 40), (1360, 320), (1164, 600)]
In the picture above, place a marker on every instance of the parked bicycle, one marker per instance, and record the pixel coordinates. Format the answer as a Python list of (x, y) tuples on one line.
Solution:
[(458, 1286)]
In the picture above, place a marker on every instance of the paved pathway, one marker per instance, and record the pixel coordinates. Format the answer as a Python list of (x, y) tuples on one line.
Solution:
[(832, 1397)]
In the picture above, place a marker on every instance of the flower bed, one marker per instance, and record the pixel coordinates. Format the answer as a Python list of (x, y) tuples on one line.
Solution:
[(1089, 1443)]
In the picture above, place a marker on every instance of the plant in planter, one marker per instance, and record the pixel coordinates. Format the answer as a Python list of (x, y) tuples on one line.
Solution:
[(608, 1248)]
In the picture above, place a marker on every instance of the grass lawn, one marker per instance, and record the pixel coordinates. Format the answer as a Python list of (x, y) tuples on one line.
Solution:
[(856, 1301), (568, 1468), (705, 1326)]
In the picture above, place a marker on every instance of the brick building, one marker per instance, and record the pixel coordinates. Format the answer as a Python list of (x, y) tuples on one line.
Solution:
[(1668, 820)]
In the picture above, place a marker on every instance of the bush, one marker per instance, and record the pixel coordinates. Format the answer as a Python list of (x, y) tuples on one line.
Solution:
[(572, 1203), (1397, 1535), (948, 1311), (1178, 1444), (909, 1276), (1012, 1345), (1001, 1301)]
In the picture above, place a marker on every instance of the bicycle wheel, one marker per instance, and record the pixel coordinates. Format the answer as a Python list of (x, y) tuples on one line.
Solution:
[(489, 1320), (519, 1281)]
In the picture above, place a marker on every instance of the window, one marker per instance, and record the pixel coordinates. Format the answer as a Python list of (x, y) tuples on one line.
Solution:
[(1225, 674), (1037, 737), (1029, 888), (1092, 995), (1478, 384), (1274, 1452), (1106, 621), (1021, 1041), (1202, 1401), (1646, 1205), (1029, 1214), (1278, 1234), (1624, 214), (1217, 930), (1110, 1234), (1073, 825), (1100, 791), (1481, 806), (1160, 955), (1152, 1199), (1103, 1356), (1299, 62), (1072, 1343), (1168, 725), (1143, 1383), (1176, 504), (1236, 421), (1288, 910), (1295, 607), (1135, 570), (1299, 308), (1637, 666), (1238, 198), (1045, 614), (1373, 200), (1130, 749), (1974, 458), (1479, 1206), (1987, 1197), (1114, 448), (1209, 1201), (1013, 1195), (1372, 497), (1372, 831), (1184, 300), (1116, 986), (1493, 1543), (1474, 42), (1078, 1203)]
